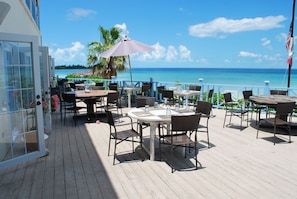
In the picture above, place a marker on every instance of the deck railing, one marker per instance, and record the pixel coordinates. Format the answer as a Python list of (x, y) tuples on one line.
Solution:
[(219, 89)]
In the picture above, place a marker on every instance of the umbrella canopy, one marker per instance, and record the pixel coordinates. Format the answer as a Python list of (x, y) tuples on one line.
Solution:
[(126, 47)]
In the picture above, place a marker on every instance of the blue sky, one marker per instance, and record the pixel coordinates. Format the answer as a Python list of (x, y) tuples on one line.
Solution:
[(184, 33)]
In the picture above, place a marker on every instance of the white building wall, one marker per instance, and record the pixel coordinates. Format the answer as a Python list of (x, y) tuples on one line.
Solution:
[(19, 20)]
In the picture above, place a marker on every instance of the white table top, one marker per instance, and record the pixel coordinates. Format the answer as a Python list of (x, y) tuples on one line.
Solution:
[(157, 114), (186, 92), (131, 88)]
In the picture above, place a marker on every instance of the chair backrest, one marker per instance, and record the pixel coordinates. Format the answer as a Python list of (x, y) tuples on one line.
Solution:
[(167, 94), (55, 91), (210, 94), (69, 98), (278, 92), (160, 89), (67, 86), (145, 87), (148, 83), (203, 107), (142, 101), (97, 87), (228, 97), (112, 97), (194, 87), (185, 122), (283, 109), (113, 86), (110, 119), (99, 83), (246, 94)]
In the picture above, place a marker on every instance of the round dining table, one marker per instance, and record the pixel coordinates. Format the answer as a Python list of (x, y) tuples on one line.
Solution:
[(187, 94), (272, 100), (89, 97), (130, 90)]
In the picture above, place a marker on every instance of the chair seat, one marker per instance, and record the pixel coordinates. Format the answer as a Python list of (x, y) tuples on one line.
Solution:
[(179, 140), (124, 134), (282, 118), (277, 121), (238, 111)]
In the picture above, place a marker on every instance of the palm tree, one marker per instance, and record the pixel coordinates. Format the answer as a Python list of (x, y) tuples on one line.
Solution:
[(102, 66)]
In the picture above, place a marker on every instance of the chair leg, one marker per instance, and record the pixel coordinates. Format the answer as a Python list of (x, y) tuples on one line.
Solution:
[(196, 152), (274, 130), (171, 150), (160, 151), (207, 134), (133, 149), (225, 119), (241, 118), (114, 151), (64, 116), (141, 146), (258, 129), (289, 133), (108, 151), (230, 118)]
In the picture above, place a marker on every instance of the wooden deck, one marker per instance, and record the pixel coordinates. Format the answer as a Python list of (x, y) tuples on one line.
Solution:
[(236, 166)]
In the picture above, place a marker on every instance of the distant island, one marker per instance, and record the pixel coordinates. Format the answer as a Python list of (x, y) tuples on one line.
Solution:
[(71, 67)]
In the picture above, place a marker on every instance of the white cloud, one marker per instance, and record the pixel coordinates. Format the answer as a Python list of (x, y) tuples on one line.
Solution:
[(76, 54), (159, 51), (248, 54), (185, 54), (78, 13), (72, 55), (227, 61), (123, 28), (171, 54), (221, 26), (202, 61), (277, 58), (266, 42)]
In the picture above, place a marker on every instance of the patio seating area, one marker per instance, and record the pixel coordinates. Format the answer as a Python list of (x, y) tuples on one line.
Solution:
[(236, 165)]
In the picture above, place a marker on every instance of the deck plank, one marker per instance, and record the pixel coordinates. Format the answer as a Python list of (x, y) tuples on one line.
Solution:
[(237, 165)]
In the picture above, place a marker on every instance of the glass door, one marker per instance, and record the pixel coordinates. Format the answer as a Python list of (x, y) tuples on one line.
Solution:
[(21, 103)]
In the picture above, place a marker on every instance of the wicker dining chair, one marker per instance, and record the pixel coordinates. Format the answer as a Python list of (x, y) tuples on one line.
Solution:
[(69, 105), (282, 118), (252, 107), (193, 99), (204, 108), (233, 108), (112, 102), (129, 134), (169, 95), (180, 134)]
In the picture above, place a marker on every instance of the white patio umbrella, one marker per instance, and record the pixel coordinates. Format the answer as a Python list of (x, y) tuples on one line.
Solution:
[(126, 47)]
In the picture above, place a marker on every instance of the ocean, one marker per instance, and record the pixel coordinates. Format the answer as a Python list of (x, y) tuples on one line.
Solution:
[(233, 76)]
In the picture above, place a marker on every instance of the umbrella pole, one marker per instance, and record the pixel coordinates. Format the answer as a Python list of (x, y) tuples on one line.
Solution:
[(130, 69)]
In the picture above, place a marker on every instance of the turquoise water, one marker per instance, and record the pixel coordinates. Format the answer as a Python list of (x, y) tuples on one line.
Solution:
[(253, 77)]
